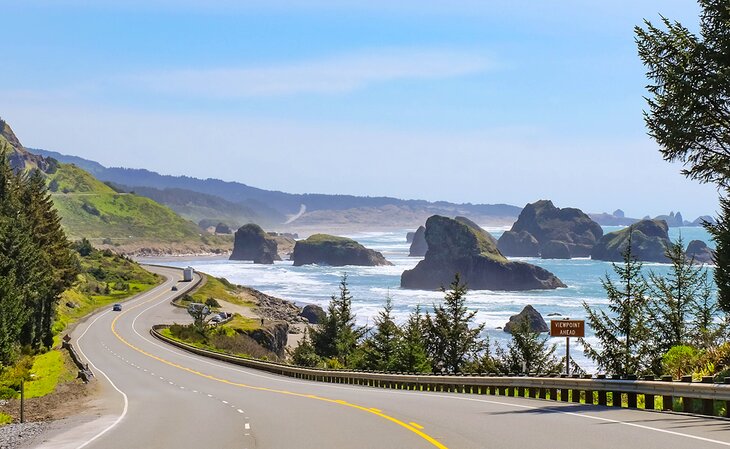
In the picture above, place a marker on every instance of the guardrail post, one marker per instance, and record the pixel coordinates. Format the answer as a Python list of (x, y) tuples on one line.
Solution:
[(727, 403), (616, 399), (708, 405), (649, 402), (588, 391), (631, 396), (687, 402), (667, 401)]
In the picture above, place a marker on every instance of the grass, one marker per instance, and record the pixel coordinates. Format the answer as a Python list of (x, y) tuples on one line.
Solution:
[(106, 278), (48, 371), (220, 289), (5, 419), (231, 338), (91, 209)]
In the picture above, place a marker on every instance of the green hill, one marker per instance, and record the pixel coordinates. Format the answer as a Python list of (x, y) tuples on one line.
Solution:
[(91, 209)]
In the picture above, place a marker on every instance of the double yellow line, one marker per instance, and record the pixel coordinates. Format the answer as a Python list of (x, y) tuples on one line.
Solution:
[(412, 427)]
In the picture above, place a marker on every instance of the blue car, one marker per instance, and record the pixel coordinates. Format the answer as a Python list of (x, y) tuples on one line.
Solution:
[(117, 307)]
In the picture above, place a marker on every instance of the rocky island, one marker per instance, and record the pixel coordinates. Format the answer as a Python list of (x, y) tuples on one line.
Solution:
[(464, 248), (252, 243), (418, 243), (543, 230), (324, 249), (649, 240)]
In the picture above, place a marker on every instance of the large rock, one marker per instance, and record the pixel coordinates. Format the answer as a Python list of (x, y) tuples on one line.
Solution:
[(546, 223), (419, 245), (323, 249), (555, 249), (222, 228), (272, 336), (519, 244), (673, 220), (701, 253), (537, 323), (252, 243), (409, 236), (649, 240), (313, 313), (456, 247)]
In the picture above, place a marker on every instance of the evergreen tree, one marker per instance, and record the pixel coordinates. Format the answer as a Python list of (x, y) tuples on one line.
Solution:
[(304, 354), (381, 346), (704, 330), (673, 297), (529, 352), (450, 342), (720, 232), (622, 333), (688, 114), (411, 352), (337, 336)]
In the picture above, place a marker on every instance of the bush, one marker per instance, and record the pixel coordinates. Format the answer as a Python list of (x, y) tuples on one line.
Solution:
[(8, 393), (680, 360), (211, 302)]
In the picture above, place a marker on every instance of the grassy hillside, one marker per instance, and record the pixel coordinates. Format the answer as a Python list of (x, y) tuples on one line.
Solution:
[(92, 209)]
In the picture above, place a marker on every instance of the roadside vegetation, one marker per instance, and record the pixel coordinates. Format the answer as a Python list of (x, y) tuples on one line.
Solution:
[(47, 283)]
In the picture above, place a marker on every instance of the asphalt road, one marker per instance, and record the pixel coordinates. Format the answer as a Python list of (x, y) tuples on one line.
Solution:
[(156, 396)]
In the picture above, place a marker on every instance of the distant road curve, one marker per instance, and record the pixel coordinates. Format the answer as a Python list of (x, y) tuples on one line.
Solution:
[(158, 396)]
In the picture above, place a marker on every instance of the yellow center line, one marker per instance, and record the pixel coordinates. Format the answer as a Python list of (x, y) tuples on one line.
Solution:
[(415, 428), (416, 425)]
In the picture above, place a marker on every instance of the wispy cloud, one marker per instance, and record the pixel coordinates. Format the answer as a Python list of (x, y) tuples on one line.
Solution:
[(324, 76)]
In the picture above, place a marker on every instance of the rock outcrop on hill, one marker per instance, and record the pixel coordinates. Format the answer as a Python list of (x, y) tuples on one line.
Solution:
[(409, 236), (252, 243), (456, 247), (313, 313), (419, 245), (649, 239), (548, 225), (272, 336), (323, 249), (222, 228), (537, 322), (701, 253)]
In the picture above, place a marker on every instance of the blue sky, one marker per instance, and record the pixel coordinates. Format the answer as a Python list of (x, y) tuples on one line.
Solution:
[(473, 101)]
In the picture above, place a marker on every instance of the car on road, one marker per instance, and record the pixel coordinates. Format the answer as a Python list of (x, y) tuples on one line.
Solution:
[(174, 288), (117, 307)]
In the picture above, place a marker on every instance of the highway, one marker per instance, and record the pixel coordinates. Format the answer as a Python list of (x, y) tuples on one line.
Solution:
[(156, 396)]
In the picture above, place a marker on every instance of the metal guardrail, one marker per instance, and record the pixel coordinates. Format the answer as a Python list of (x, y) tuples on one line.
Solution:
[(85, 372), (704, 397)]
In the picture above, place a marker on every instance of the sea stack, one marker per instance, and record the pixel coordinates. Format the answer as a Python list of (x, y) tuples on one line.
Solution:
[(324, 249), (252, 243), (464, 248), (543, 230), (649, 240)]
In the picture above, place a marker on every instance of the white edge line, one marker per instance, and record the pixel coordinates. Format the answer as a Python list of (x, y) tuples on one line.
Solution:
[(124, 395)]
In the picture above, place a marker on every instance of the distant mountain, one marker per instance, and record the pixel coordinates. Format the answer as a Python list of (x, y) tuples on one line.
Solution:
[(274, 207), (89, 208)]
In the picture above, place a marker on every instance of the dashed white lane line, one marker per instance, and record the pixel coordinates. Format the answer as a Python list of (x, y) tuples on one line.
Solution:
[(240, 411), (225, 402), (247, 426)]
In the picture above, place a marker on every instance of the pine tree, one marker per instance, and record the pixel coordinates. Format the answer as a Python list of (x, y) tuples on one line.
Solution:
[(411, 352), (381, 346), (704, 330), (304, 354), (451, 343), (61, 260), (720, 232), (337, 335), (622, 333), (673, 296), (529, 352)]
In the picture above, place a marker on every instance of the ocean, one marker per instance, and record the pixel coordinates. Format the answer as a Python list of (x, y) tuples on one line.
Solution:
[(370, 285)]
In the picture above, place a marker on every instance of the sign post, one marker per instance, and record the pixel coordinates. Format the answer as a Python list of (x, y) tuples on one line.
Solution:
[(567, 328)]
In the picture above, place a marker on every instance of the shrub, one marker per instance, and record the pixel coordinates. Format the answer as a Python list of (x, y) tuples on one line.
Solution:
[(680, 360), (211, 302)]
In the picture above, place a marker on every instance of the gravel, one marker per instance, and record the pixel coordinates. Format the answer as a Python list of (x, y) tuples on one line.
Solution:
[(13, 435)]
